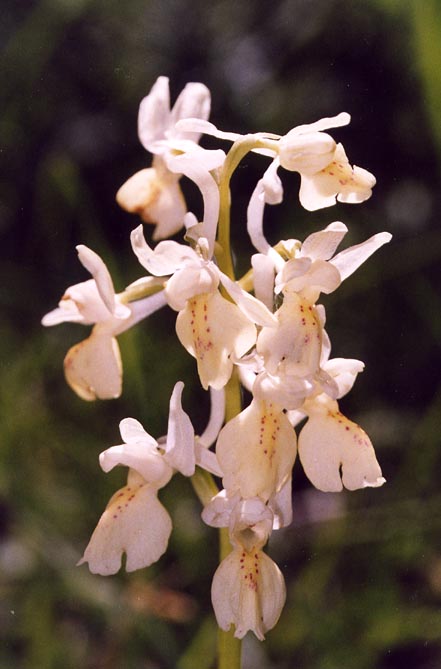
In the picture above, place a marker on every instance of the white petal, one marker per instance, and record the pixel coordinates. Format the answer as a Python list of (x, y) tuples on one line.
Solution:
[(165, 259), (330, 441), (292, 269), (141, 309), (96, 266), (218, 511), (281, 506), (321, 276), (324, 124), (141, 457), (263, 279), (269, 190), (316, 193), (253, 308), (154, 113), (193, 101), (83, 300), (207, 459), (135, 523), (287, 391), (344, 372), (216, 420), (200, 126), (350, 260), (256, 451), (155, 194), (190, 281), (196, 165), (93, 368), (179, 449), (338, 180), (211, 329), (307, 153), (249, 595), (321, 245), (132, 432), (66, 313), (139, 191), (251, 524)]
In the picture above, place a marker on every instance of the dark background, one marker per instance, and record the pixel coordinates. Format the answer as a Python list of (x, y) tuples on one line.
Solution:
[(363, 569)]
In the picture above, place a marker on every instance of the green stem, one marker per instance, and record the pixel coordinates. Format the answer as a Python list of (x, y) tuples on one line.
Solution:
[(239, 149), (229, 650), (204, 485)]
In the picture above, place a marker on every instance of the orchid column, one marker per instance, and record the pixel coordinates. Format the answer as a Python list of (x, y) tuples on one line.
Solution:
[(264, 333)]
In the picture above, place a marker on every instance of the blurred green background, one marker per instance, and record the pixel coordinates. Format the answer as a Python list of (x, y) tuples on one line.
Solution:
[(363, 570)]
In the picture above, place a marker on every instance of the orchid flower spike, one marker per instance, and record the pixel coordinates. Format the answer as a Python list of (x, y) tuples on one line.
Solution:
[(93, 368)]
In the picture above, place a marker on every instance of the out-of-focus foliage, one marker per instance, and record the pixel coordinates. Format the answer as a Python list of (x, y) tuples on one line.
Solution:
[(364, 569)]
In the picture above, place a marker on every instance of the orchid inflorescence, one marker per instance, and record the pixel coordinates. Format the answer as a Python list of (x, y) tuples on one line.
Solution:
[(273, 343)]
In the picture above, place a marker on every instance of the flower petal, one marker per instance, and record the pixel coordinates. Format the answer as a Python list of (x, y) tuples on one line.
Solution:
[(263, 279), (165, 259), (248, 592), (307, 153), (350, 259), (179, 449), (211, 329), (256, 451), (142, 457), (269, 190), (324, 124), (196, 165), (344, 371), (193, 101), (189, 281), (93, 368), (132, 432), (218, 511), (154, 113), (216, 420), (337, 181), (253, 308), (96, 266), (330, 441), (200, 126), (135, 523), (281, 506), (321, 245)]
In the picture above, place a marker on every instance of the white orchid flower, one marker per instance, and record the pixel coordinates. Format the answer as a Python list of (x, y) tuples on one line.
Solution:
[(256, 451), (312, 268), (294, 348), (210, 327), (326, 175), (248, 589), (93, 367), (154, 193), (135, 522)]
